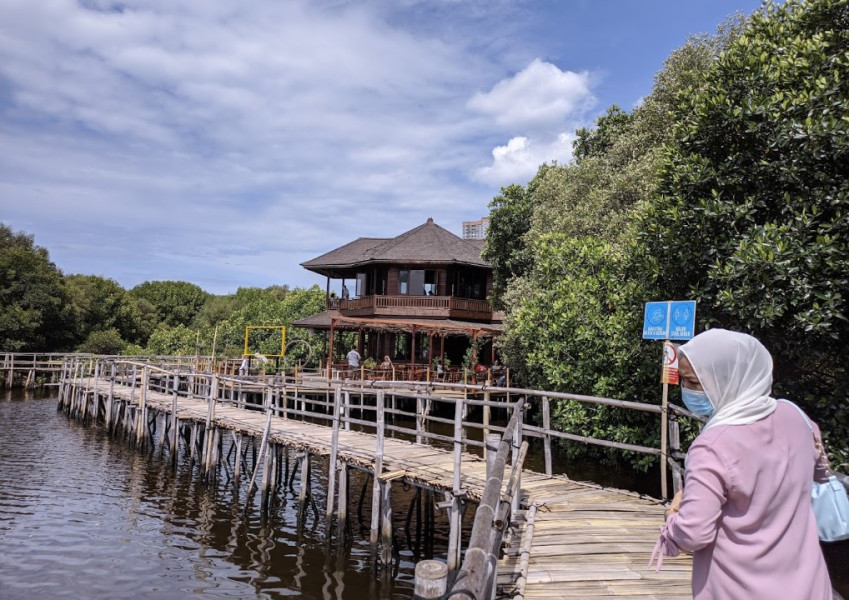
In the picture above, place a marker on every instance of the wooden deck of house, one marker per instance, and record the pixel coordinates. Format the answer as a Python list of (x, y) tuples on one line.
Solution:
[(569, 540)]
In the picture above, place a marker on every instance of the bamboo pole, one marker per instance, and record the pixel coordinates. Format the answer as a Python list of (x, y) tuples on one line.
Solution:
[(454, 518), (386, 525), (546, 439), (342, 504), (334, 450), (378, 469)]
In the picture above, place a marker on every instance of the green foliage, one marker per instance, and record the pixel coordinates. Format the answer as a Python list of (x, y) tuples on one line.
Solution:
[(574, 315), (173, 341), (504, 247), (176, 302), (572, 330), (100, 304), (751, 217), (106, 341), (34, 312), (599, 141)]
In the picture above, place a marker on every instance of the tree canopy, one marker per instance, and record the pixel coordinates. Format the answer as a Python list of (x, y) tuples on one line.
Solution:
[(34, 312)]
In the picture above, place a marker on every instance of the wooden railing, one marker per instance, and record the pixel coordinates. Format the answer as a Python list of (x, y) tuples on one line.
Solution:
[(442, 306)]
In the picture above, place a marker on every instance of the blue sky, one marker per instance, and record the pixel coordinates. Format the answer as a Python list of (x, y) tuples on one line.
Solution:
[(224, 143)]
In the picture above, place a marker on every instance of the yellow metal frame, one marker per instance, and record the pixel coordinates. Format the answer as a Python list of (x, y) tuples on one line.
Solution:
[(282, 329)]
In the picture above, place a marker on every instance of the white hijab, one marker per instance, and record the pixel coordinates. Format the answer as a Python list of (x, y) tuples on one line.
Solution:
[(735, 371)]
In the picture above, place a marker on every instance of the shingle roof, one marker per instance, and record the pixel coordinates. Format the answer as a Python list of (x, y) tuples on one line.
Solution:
[(427, 243)]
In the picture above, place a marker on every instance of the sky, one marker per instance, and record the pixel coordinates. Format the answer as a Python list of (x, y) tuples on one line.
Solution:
[(224, 143)]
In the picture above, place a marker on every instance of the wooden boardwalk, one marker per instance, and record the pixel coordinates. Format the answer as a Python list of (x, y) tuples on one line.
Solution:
[(571, 540)]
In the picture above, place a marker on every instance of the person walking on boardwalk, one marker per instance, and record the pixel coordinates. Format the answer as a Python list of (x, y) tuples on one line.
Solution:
[(745, 512), (354, 359)]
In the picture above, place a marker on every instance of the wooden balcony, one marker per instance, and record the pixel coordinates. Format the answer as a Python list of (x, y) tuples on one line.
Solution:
[(429, 307)]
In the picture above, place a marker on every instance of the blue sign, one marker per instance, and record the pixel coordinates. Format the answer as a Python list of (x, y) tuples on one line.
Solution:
[(673, 320)]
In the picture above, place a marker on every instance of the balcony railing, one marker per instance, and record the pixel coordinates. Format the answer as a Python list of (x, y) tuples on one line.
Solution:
[(439, 307)]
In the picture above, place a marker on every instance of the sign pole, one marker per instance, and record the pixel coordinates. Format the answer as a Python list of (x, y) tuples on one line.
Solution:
[(664, 425)]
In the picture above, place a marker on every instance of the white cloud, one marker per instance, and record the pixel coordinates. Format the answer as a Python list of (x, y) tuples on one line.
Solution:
[(538, 97), (519, 160)]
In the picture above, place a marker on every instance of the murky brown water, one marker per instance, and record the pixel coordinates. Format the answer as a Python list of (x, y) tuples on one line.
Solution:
[(84, 515)]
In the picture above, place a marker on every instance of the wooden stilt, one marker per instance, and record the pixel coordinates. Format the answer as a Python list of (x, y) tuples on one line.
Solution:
[(386, 529), (342, 503), (334, 450), (378, 470)]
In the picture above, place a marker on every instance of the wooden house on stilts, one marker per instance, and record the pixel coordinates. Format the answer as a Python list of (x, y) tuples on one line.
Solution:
[(418, 297)]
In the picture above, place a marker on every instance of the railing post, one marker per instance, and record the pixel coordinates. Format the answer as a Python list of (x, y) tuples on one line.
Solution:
[(142, 410), (486, 417), (175, 388), (378, 470), (334, 451), (111, 397), (517, 442), (675, 446), (455, 516), (546, 434), (420, 417)]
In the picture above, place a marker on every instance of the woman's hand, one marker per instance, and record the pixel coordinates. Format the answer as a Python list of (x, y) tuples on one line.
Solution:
[(674, 505)]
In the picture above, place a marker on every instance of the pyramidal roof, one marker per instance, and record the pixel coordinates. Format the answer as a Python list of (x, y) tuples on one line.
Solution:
[(427, 243)]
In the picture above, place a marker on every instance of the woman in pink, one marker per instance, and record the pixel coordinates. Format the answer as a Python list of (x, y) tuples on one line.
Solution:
[(745, 512)]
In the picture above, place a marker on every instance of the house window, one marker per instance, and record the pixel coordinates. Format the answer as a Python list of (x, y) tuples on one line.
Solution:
[(361, 285), (411, 282), (403, 281), (430, 282)]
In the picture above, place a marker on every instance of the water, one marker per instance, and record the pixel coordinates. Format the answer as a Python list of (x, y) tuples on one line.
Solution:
[(84, 515)]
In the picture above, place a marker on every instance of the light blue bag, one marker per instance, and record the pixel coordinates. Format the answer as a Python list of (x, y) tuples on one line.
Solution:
[(831, 508), (829, 499)]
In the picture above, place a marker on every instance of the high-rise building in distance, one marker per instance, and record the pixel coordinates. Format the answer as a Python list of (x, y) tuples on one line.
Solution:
[(475, 230)]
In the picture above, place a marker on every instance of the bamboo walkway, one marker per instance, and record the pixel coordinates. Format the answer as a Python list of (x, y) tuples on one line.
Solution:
[(574, 540)]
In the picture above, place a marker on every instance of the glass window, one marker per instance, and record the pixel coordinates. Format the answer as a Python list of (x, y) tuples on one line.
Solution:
[(403, 281)]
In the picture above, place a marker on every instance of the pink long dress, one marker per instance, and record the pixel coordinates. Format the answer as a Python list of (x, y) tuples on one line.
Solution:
[(746, 512)]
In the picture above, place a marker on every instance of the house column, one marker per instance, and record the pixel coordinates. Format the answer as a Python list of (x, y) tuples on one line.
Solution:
[(330, 348)]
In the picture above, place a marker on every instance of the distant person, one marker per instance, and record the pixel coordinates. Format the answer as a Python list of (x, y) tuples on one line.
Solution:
[(354, 359), (387, 363), (500, 373), (745, 510), (245, 367), (440, 370), (345, 293)]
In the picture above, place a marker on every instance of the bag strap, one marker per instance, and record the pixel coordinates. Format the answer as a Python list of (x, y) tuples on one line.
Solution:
[(817, 442)]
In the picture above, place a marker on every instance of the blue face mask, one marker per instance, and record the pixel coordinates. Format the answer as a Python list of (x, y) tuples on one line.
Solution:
[(697, 402)]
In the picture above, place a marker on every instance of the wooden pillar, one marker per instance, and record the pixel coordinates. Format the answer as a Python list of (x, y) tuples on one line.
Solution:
[(305, 480), (455, 514), (546, 433), (378, 470), (486, 417), (342, 503), (413, 350), (330, 349), (386, 529), (431, 580), (334, 452), (175, 422), (517, 442), (111, 398)]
